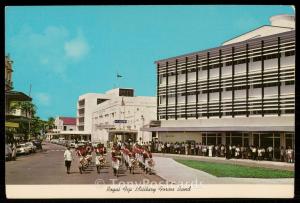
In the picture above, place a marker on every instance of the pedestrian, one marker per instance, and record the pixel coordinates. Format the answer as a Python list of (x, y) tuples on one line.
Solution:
[(282, 154), (14, 151), (68, 159)]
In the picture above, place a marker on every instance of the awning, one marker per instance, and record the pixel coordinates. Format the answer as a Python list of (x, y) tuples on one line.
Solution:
[(14, 118), (222, 129), (17, 96), (122, 131)]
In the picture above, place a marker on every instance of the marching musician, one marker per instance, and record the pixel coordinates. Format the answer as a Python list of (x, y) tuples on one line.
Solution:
[(99, 154), (115, 153)]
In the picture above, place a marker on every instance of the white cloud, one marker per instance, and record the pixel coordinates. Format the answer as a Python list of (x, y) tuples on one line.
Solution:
[(43, 98), (77, 47), (53, 48)]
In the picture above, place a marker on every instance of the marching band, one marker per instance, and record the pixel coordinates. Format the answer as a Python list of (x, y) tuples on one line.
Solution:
[(133, 156)]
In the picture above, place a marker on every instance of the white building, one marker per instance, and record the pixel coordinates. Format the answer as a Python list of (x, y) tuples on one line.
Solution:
[(122, 116), (65, 123), (118, 114), (85, 107), (242, 92)]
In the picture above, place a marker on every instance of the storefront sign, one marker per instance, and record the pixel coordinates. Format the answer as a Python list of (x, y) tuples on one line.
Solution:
[(120, 121), (11, 124)]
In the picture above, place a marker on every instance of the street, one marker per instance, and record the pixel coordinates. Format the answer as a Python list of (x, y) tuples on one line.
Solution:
[(47, 167)]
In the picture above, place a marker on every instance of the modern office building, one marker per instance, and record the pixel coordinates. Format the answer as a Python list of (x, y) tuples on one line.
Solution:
[(121, 116), (242, 92)]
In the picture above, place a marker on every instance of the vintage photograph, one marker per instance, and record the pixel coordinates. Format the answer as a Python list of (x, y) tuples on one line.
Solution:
[(180, 101)]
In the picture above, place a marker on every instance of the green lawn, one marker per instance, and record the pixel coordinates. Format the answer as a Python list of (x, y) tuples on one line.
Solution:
[(237, 171)]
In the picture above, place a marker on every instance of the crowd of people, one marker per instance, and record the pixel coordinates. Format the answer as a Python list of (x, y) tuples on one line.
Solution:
[(227, 151)]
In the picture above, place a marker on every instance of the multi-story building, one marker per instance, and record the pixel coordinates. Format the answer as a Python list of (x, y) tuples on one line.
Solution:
[(242, 92), (85, 106), (65, 123), (13, 117), (122, 115), (8, 73)]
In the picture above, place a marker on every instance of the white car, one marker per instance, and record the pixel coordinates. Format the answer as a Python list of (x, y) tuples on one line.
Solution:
[(31, 146), (72, 144), (22, 149), (95, 144)]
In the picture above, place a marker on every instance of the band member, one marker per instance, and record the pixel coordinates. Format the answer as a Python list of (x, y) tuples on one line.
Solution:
[(99, 159), (115, 160), (79, 153)]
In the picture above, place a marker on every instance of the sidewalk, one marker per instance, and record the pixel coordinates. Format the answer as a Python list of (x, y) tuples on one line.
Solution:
[(243, 162), (174, 172)]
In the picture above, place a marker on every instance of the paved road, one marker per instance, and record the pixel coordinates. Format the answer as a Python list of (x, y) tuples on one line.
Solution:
[(47, 167)]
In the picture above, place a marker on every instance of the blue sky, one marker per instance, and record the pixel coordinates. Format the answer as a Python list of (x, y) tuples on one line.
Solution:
[(68, 51)]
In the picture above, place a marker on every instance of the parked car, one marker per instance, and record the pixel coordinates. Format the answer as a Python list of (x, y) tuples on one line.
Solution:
[(72, 144), (8, 152), (37, 143), (22, 149), (54, 141), (31, 146)]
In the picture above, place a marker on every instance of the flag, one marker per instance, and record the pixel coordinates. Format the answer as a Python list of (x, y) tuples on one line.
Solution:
[(119, 76), (122, 103)]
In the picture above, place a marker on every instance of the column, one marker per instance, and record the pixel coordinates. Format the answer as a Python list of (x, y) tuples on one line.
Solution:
[(167, 83), (176, 86), (207, 85), (262, 78), (157, 93), (232, 84), (278, 76), (186, 81), (220, 82), (197, 86), (247, 80)]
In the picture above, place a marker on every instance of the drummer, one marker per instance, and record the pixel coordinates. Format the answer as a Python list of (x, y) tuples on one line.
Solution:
[(115, 156)]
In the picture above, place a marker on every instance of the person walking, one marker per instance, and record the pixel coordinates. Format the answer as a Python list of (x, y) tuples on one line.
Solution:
[(68, 159)]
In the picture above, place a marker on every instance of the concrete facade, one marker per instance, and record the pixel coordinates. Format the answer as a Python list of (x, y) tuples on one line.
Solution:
[(135, 110), (247, 84), (61, 126), (98, 115)]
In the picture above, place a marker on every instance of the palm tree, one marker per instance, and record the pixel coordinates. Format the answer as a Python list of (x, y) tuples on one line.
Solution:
[(25, 106)]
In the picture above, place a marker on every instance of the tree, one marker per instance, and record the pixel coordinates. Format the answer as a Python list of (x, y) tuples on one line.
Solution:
[(25, 106), (50, 123)]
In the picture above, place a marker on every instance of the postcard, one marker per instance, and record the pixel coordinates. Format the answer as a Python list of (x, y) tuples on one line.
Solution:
[(160, 101)]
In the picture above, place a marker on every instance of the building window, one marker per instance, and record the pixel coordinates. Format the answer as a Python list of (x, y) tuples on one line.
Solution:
[(290, 111), (65, 127), (291, 82), (99, 101), (271, 112), (290, 53)]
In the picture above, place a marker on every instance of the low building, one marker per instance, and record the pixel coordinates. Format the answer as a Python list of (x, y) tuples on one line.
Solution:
[(65, 123)]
